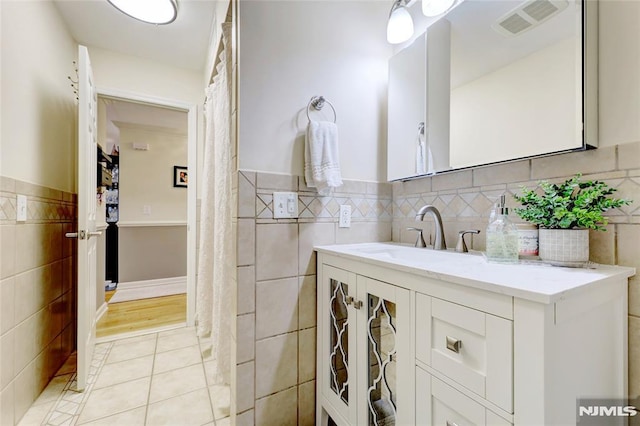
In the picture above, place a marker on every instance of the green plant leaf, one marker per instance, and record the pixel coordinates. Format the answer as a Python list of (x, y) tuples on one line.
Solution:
[(571, 204)]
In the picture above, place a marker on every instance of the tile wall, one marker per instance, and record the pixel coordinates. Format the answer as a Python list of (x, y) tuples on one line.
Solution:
[(276, 305), (37, 292), (465, 198)]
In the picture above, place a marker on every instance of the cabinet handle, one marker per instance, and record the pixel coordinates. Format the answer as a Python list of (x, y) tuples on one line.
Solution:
[(453, 345), (450, 423), (357, 304), (348, 300)]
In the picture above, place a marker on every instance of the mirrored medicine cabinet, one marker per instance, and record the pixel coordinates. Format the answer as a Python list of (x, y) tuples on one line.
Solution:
[(494, 81)]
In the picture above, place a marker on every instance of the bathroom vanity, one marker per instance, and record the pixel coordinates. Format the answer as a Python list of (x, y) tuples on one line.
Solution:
[(416, 336)]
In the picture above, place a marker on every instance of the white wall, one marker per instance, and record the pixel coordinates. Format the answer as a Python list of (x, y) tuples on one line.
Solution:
[(619, 72), (510, 112), (146, 177), (132, 74), (290, 51), (38, 114)]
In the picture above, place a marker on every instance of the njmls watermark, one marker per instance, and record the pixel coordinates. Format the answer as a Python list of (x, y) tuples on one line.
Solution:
[(604, 412)]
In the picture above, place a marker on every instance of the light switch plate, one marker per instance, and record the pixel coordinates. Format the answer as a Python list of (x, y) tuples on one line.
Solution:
[(285, 205), (21, 208)]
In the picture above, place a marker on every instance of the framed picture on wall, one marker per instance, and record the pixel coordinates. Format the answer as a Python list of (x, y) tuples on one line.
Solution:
[(180, 177)]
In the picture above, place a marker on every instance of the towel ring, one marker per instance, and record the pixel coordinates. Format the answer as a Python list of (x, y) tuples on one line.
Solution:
[(317, 102)]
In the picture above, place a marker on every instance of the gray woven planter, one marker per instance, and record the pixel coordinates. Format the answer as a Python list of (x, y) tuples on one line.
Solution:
[(564, 245)]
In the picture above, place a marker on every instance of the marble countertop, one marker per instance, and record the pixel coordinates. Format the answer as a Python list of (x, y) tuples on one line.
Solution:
[(532, 280)]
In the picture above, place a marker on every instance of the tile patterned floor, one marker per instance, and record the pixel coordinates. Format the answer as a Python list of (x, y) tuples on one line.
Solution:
[(155, 379)]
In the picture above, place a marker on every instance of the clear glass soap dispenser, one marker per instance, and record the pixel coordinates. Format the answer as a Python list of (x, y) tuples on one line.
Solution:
[(502, 236)]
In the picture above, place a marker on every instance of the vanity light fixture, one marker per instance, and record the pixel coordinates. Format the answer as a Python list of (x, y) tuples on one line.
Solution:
[(436, 7), (400, 24), (150, 11)]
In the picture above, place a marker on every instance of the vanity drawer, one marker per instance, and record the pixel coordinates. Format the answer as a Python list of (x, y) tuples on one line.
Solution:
[(471, 347), (439, 404)]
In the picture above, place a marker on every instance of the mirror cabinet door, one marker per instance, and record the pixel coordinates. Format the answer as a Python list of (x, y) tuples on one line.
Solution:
[(494, 81)]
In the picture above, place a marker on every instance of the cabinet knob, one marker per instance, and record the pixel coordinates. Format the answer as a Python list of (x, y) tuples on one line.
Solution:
[(348, 300), (453, 344), (357, 304)]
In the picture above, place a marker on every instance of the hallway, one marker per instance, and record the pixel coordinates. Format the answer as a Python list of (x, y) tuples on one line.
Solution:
[(155, 379)]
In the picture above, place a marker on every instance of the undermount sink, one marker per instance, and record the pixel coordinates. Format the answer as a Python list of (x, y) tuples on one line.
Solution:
[(403, 252)]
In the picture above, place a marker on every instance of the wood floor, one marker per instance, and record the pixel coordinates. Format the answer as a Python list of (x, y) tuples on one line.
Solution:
[(136, 315)]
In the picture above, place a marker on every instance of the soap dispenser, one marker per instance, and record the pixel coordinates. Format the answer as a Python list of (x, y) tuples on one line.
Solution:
[(502, 236)]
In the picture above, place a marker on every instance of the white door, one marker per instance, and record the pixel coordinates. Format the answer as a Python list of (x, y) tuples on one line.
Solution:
[(87, 163)]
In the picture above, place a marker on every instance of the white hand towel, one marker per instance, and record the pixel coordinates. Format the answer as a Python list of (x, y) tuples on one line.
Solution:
[(321, 159)]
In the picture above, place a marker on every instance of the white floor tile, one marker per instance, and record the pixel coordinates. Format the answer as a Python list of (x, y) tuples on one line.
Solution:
[(136, 339), (124, 371), (189, 409), (176, 331), (177, 358), (115, 399), (54, 389), (36, 415), (129, 418), (176, 341), (176, 382), (131, 350), (158, 378)]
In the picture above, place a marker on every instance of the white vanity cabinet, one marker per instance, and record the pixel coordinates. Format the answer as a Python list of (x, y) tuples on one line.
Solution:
[(412, 336), (365, 346)]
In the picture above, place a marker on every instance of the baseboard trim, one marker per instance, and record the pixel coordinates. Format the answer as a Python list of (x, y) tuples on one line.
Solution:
[(101, 311), (149, 283), (136, 290)]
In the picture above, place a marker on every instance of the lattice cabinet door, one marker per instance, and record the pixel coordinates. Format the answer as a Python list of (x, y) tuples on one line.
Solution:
[(336, 354), (385, 379)]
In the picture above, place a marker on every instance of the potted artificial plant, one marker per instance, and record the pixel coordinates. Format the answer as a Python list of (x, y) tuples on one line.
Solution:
[(565, 213)]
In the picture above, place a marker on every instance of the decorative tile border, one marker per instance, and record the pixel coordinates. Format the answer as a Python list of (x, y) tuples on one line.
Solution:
[(475, 202), (368, 200), (44, 205), (69, 405)]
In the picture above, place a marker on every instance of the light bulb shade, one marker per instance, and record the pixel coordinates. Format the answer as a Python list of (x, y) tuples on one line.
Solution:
[(150, 11), (400, 25), (436, 7)]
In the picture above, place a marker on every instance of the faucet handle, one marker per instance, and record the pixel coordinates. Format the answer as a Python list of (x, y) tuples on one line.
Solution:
[(419, 240), (461, 246)]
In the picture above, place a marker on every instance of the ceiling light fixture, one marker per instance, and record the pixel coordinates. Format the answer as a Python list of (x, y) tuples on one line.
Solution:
[(150, 11), (400, 24), (436, 7)]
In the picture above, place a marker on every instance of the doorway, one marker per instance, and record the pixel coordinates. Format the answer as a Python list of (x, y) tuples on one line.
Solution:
[(149, 215)]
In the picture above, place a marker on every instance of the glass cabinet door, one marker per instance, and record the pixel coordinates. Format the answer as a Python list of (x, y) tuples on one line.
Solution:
[(337, 291), (383, 337), (339, 339)]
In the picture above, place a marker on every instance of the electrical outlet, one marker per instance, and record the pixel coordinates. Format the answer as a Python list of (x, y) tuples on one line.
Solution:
[(285, 205), (345, 216)]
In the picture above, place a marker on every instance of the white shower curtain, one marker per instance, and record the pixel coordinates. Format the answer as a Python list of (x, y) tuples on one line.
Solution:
[(216, 257)]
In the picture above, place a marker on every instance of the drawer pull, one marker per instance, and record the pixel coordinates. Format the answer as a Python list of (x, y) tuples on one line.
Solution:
[(450, 423), (453, 345), (348, 300)]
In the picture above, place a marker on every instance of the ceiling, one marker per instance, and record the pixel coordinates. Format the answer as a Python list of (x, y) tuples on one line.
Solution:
[(183, 43), (121, 112)]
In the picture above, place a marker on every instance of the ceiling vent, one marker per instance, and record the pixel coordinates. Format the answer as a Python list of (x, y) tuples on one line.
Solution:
[(528, 15)]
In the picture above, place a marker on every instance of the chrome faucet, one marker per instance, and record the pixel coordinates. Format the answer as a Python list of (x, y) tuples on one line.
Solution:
[(439, 243)]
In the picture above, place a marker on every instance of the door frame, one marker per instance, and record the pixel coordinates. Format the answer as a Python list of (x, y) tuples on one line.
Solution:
[(192, 163)]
